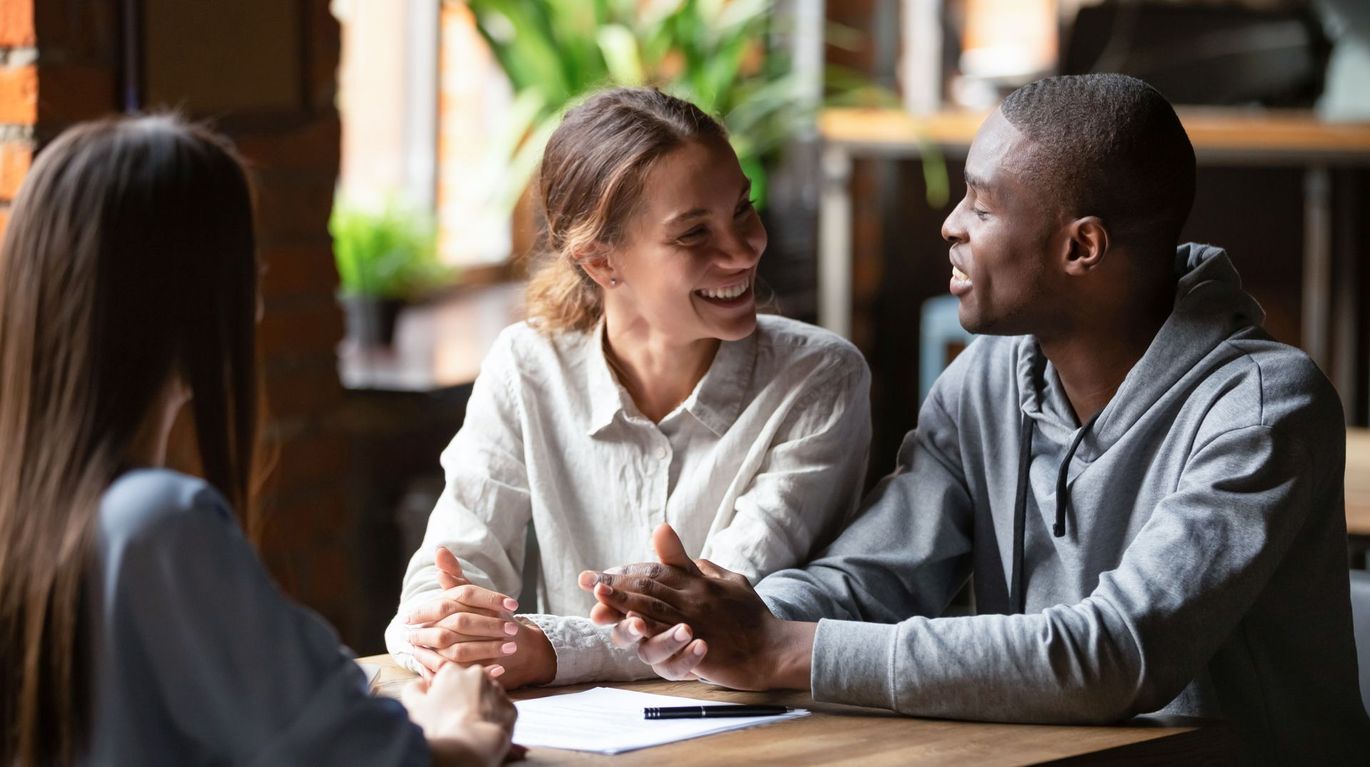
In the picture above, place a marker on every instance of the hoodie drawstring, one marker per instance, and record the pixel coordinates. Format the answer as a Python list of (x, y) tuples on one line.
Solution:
[(1018, 586), (1062, 492)]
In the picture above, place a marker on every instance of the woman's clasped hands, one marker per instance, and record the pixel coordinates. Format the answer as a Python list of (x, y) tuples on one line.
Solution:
[(468, 625)]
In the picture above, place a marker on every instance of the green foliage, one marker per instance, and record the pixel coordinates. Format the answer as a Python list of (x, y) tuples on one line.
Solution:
[(386, 253), (710, 52)]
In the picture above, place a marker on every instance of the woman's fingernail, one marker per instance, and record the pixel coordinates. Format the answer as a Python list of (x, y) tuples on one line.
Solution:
[(604, 589), (586, 579), (511, 628), (511, 604), (699, 649), (508, 648), (495, 671), (681, 633), (633, 629)]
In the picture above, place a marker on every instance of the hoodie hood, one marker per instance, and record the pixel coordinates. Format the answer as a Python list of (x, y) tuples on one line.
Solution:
[(1210, 306)]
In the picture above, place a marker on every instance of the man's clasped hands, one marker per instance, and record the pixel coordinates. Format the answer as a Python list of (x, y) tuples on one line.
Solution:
[(686, 618)]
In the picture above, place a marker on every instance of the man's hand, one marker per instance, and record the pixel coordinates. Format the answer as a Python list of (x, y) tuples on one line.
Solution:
[(747, 647), (671, 651), (464, 624)]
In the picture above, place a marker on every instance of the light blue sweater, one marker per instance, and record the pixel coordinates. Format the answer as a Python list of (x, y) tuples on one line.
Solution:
[(199, 659)]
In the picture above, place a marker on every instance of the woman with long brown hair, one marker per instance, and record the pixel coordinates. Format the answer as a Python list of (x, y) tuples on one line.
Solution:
[(644, 389), (137, 625)]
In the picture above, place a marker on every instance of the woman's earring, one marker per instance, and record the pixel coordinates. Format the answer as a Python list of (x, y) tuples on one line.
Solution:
[(613, 281)]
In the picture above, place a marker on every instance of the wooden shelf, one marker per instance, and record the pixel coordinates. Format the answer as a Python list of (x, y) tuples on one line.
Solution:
[(1239, 135)]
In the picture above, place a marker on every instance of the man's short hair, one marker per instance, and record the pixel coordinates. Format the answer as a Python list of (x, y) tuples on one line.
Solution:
[(1111, 146)]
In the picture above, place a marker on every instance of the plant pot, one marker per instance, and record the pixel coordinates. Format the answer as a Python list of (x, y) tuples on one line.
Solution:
[(371, 319)]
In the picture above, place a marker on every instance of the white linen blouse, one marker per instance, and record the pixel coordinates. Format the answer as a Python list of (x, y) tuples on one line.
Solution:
[(762, 462)]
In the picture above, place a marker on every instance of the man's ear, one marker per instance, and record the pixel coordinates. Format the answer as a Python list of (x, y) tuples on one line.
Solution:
[(1086, 245), (594, 259)]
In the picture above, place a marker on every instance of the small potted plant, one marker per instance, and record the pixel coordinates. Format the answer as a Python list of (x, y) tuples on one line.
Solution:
[(386, 258)]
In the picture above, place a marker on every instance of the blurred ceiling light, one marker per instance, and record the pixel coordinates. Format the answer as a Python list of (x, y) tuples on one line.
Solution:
[(1009, 41)]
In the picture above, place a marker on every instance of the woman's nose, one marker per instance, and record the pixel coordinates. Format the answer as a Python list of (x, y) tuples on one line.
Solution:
[(744, 246)]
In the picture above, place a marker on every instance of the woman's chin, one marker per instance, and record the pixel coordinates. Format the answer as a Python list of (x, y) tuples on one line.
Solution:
[(737, 329)]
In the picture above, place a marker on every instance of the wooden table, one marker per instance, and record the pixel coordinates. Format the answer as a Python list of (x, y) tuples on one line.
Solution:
[(837, 734), (1219, 136)]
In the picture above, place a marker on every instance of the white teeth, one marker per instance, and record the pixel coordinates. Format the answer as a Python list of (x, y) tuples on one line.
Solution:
[(957, 274), (726, 293)]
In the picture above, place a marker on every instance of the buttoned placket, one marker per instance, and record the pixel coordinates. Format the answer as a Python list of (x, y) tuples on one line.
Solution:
[(654, 467), (661, 476)]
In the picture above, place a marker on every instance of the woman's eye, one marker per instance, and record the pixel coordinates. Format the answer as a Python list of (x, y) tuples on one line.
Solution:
[(745, 206), (980, 214), (693, 234)]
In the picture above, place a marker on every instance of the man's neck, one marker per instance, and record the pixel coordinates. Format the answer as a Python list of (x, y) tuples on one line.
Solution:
[(1094, 357)]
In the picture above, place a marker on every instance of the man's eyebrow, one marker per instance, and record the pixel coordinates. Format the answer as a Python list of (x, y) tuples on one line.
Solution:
[(975, 182)]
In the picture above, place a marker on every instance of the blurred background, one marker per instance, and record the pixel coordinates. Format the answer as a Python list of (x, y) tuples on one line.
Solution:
[(393, 141)]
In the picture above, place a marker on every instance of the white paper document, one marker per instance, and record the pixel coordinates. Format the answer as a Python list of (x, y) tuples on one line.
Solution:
[(610, 721)]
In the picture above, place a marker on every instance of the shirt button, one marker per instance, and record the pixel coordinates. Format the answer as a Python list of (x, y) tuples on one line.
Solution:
[(661, 453)]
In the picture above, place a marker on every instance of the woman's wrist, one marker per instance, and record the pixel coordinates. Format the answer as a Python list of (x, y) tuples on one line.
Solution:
[(542, 657)]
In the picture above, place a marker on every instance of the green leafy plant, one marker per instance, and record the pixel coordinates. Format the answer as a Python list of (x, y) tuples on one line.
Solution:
[(710, 52), (388, 253)]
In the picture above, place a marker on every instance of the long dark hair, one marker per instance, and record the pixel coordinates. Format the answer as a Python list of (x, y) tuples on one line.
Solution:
[(129, 258)]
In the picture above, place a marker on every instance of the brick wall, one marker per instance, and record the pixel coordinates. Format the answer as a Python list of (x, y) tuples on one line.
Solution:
[(43, 89), (60, 62)]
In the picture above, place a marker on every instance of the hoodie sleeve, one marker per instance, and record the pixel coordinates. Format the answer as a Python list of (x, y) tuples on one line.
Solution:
[(907, 551), (1179, 591)]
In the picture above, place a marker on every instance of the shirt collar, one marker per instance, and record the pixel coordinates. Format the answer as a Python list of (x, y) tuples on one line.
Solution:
[(715, 402), (717, 399), (607, 397)]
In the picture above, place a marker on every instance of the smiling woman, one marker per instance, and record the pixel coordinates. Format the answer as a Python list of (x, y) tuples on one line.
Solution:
[(644, 389)]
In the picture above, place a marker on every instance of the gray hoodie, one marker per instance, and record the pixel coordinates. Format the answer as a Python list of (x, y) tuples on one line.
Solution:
[(1184, 553)]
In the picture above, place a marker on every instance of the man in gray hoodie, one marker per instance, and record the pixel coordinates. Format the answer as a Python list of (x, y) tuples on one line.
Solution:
[(1145, 486)]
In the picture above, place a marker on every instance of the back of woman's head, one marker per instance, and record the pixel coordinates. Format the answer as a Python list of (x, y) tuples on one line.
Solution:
[(128, 260), (589, 185)]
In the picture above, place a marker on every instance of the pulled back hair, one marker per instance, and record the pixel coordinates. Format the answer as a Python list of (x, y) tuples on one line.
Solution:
[(588, 187), (1111, 146), (129, 258)]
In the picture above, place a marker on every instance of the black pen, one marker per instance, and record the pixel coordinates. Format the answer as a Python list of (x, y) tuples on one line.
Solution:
[(710, 712)]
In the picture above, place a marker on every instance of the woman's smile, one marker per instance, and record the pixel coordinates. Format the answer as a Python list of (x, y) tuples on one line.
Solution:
[(735, 293)]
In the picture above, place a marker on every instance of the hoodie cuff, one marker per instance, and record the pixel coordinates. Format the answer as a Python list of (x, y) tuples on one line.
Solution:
[(853, 663)]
